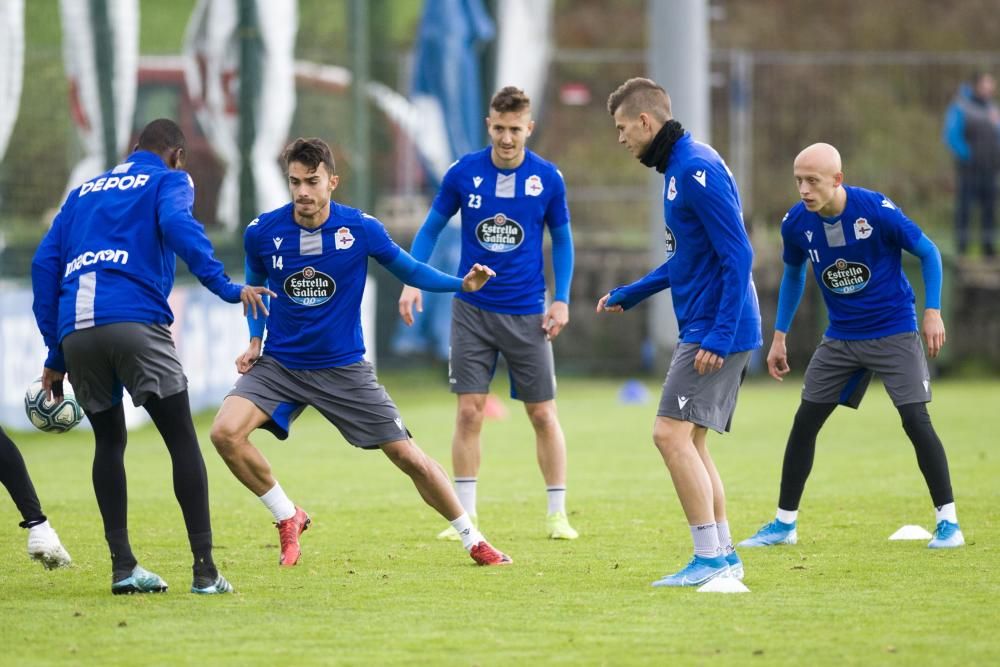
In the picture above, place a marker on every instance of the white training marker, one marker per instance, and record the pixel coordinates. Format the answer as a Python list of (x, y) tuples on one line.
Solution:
[(724, 585), (910, 533)]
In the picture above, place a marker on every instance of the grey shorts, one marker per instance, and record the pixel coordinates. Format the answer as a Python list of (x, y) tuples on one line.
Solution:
[(139, 357), (350, 398), (479, 336), (840, 370), (706, 400)]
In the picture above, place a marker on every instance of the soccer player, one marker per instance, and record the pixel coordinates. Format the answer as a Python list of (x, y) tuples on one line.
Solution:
[(853, 240), (507, 195), (101, 278), (314, 253), (707, 267), (43, 543)]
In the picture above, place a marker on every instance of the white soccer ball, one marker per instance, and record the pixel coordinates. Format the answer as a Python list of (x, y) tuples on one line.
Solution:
[(49, 415)]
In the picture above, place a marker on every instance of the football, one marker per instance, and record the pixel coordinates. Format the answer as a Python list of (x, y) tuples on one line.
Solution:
[(48, 415)]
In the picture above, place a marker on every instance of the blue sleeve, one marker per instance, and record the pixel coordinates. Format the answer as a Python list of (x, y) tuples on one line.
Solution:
[(954, 132), (719, 211), (186, 237), (254, 277), (791, 253), (46, 280), (632, 294), (427, 235), (448, 200), (421, 275), (562, 260), (793, 284), (896, 229), (930, 267), (380, 244)]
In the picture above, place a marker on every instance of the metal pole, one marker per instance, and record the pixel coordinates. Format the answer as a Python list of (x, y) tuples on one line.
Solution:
[(741, 122), (360, 61), (677, 59), (250, 73), (104, 57)]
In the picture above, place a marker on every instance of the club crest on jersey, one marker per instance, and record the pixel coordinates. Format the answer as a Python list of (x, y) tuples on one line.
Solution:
[(843, 277), (310, 287), (499, 233), (862, 229), (533, 186), (672, 189), (669, 242), (343, 239)]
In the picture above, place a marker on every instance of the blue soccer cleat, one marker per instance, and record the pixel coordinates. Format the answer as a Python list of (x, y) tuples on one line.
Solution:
[(220, 585), (776, 532), (697, 572), (140, 581), (947, 535), (735, 565)]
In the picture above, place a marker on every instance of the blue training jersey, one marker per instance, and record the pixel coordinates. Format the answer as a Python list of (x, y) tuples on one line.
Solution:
[(110, 255), (319, 277), (504, 212), (857, 261), (709, 256)]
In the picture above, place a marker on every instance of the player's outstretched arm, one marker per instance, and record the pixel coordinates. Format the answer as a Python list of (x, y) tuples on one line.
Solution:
[(605, 305), (252, 297), (626, 296), (477, 276)]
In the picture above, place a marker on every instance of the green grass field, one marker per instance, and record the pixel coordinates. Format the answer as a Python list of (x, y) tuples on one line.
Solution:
[(375, 588)]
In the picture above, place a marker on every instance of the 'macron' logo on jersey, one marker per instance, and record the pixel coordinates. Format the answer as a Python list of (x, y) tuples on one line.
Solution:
[(310, 287), (843, 277), (499, 233)]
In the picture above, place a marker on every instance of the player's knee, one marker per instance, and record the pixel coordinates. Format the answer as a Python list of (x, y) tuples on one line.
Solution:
[(543, 417), (470, 415), (668, 438), (408, 457), (914, 416), (224, 437)]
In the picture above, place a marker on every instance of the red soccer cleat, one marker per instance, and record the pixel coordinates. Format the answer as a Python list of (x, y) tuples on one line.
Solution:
[(289, 531), (485, 554)]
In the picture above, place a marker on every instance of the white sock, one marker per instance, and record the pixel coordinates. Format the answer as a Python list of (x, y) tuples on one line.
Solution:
[(469, 533), (786, 516), (465, 489), (946, 513), (725, 539), (557, 499), (280, 505), (706, 540)]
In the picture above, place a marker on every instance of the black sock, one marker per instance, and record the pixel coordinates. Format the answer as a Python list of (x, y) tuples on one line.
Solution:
[(14, 476), (172, 417), (110, 486), (931, 458), (800, 451)]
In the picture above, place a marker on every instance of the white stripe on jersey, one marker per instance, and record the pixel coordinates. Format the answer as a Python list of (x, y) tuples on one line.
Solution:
[(85, 293), (506, 185), (311, 243)]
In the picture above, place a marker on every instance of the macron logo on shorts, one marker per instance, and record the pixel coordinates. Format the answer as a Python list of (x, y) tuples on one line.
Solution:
[(682, 401)]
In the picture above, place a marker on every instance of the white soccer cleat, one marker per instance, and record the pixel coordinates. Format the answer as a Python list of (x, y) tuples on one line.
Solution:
[(45, 547)]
